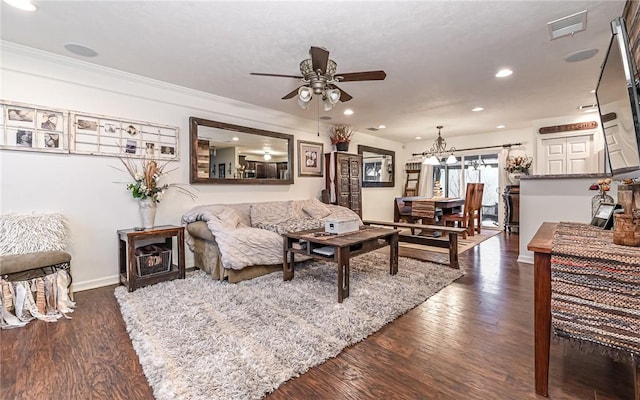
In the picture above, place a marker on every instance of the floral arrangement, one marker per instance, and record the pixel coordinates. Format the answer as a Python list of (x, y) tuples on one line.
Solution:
[(519, 164), (146, 179), (603, 186), (341, 134)]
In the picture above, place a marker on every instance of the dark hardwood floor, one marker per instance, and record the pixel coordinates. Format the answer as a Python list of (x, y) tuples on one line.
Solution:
[(472, 340)]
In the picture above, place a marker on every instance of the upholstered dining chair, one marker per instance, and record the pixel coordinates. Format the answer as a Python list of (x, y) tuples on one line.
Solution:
[(472, 211)]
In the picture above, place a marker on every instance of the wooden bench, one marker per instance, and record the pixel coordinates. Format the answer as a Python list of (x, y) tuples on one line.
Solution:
[(450, 241)]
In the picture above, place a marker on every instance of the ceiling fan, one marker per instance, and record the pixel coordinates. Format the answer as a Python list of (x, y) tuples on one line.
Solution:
[(319, 75)]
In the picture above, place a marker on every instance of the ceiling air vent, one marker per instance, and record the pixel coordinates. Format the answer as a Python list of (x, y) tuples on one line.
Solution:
[(373, 129), (568, 25)]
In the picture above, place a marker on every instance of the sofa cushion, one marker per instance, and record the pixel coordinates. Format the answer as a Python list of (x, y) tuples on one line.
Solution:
[(292, 225), (11, 264), (271, 212), (315, 209)]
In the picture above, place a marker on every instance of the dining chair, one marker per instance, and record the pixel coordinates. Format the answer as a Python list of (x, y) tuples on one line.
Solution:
[(472, 211), (475, 218), (460, 218)]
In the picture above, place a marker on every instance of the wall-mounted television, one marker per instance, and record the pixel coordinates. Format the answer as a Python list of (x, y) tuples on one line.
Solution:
[(617, 96)]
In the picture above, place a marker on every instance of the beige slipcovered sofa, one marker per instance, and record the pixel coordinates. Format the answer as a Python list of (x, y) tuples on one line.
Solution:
[(243, 241)]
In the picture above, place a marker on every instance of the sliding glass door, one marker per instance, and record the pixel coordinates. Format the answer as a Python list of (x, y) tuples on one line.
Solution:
[(481, 168)]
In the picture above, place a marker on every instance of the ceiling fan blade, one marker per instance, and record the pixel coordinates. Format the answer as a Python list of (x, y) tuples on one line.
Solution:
[(293, 94), (344, 96), (319, 58), (362, 76), (277, 75)]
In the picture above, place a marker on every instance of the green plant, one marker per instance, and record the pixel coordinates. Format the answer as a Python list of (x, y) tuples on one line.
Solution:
[(146, 180)]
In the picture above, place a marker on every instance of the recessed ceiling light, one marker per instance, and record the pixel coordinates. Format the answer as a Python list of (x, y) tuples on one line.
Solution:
[(418, 137), (477, 109), (500, 126), (235, 139), (24, 5), (504, 73), (592, 91), (348, 111), (80, 50), (381, 126)]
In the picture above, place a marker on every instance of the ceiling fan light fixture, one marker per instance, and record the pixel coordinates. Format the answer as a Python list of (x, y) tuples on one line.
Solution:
[(303, 104), (333, 95), (305, 94), (326, 105)]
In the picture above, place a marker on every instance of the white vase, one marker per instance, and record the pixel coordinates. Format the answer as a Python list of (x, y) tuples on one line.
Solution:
[(514, 177), (147, 212)]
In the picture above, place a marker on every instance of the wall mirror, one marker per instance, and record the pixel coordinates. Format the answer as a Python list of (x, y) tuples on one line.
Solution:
[(232, 154), (378, 166)]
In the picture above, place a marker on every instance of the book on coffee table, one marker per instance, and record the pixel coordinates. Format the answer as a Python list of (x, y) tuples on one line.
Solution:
[(324, 250)]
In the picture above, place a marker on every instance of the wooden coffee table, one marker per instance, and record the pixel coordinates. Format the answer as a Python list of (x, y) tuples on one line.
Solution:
[(339, 248)]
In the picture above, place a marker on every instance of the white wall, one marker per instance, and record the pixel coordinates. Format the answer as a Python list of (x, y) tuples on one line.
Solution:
[(554, 200), (86, 189)]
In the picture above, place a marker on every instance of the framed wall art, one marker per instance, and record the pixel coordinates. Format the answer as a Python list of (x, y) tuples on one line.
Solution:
[(100, 135), (33, 128), (310, 156)]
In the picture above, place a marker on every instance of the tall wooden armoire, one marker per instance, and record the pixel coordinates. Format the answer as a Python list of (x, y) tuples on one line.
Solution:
[(347, 179)]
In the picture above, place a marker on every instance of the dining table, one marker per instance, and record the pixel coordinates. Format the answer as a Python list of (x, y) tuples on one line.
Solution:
[(426, 208)]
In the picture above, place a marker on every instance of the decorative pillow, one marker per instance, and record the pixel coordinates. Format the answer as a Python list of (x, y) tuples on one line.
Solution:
[(228, 217), (32, 233), (292, 225), (271, 212), (316, 209)]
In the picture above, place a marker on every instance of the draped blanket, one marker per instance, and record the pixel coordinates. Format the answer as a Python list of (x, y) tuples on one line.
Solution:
[(595, 291), (45, 298), (250, 233)]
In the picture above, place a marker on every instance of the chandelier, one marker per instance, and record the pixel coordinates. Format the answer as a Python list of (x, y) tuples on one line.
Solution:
[(439, 151)]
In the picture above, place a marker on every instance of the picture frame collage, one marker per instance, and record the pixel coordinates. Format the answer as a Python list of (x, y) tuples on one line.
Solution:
[(33, 128), (30, 128)]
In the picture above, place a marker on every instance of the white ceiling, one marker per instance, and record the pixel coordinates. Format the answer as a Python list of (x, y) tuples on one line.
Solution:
[(440, 56)]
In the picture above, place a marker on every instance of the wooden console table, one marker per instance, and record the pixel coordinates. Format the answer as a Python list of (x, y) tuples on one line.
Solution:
[(540, 244)]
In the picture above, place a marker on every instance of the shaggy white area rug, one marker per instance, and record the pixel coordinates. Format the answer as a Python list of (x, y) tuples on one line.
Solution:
[(202, 339)]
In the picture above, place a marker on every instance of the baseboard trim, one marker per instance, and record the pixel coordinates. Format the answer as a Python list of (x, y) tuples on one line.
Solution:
[(527, 259), (96, 283)]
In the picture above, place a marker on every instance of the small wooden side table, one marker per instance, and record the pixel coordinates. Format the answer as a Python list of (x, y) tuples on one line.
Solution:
[(128, 239)]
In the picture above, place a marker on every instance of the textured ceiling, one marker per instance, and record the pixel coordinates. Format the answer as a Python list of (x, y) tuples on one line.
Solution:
[(440, 57)]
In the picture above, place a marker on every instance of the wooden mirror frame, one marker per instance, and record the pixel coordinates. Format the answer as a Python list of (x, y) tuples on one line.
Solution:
[(195, 122), (369, 149)]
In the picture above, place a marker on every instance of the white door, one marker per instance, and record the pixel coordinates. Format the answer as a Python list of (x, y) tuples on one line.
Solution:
[(554, 156), (579, 155), (568, 155)]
